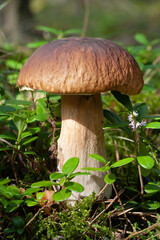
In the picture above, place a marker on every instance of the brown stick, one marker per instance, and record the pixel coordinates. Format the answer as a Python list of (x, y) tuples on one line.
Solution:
[(108, 206), (31, 220), (143, 231)]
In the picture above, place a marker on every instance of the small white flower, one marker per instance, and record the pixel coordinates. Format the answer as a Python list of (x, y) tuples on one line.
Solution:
[(133, 125), (130, 117), (143, 123), (135, 113), (138, 125)]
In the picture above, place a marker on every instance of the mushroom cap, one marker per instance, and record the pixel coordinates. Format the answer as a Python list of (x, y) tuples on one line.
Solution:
[(81, 66)]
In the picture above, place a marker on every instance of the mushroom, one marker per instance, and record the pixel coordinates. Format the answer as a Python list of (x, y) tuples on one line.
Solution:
[(80, 69)]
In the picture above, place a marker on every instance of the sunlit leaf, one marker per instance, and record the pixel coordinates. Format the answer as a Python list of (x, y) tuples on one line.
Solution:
[(70, 165), (122, 162), (141, 38), (62, 195), (146, 161), (39, 195), (43, 184), (153, 125), (152, 187), (110, 178), (56, 176), (98, 158), (73, 186)]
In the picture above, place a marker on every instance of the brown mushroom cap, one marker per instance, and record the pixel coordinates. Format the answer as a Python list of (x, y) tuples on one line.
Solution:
[(81, 66)]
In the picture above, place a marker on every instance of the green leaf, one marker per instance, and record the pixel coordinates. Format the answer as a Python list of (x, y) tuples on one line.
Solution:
[(41, 107), (123, 99), (39, 117), (39, 195), (5, 192), (29, 191), (73, 186), (141, 109), (2, 118), (98, 158), (73, 175), (131, 189), (153, 117), (8, 135), (31, 202), (152, 187), (55, 176), (146, 162), (7, 109), (110, 178), (72, 31), (48, 29), (122, 162), (15, 191), (141, 38), (4, 181), (70, 165), (13, 64), (4, 201), (62, 181), (102, 169), (115, 119), (9, 230), (43, 184), (36, 44), (153, 125), (20, 123), (20, 231), (145, 172), (12, 205), (150, 204), (142, 149), (28, 140), (62, 195), (30, 132)]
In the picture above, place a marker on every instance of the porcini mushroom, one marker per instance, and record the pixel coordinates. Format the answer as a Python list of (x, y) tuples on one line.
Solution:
[(80, 69)]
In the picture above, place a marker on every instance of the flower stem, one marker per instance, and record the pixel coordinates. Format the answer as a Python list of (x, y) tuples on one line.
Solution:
[(136, 142)]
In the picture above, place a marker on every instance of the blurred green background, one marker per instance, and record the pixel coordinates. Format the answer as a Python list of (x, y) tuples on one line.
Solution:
[(117, 20)]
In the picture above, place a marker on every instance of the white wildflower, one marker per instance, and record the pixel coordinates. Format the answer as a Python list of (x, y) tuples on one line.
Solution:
[(143, 123), (135, 114), (130, 117), (134, 124)]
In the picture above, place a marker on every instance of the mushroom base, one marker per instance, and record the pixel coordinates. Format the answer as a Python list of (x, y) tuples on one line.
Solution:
[(81, 135)]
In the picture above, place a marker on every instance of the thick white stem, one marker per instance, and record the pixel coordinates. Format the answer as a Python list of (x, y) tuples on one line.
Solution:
[(81, 135)]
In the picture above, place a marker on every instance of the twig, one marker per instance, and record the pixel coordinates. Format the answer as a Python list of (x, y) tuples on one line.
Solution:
[(31, 220), (108, 206), (150, 214), (8, 143), (116, 150), (86, 17), (11, 160), (102, 191), (124, 211), (143, 231)]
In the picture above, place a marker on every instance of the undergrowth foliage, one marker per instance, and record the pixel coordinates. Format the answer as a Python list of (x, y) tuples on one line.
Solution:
[(33, 195)]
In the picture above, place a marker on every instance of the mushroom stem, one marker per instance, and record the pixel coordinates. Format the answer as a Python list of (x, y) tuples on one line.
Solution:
[(81, 135)]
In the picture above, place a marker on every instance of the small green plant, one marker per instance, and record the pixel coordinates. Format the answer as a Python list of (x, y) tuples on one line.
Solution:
[(12, 198)]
